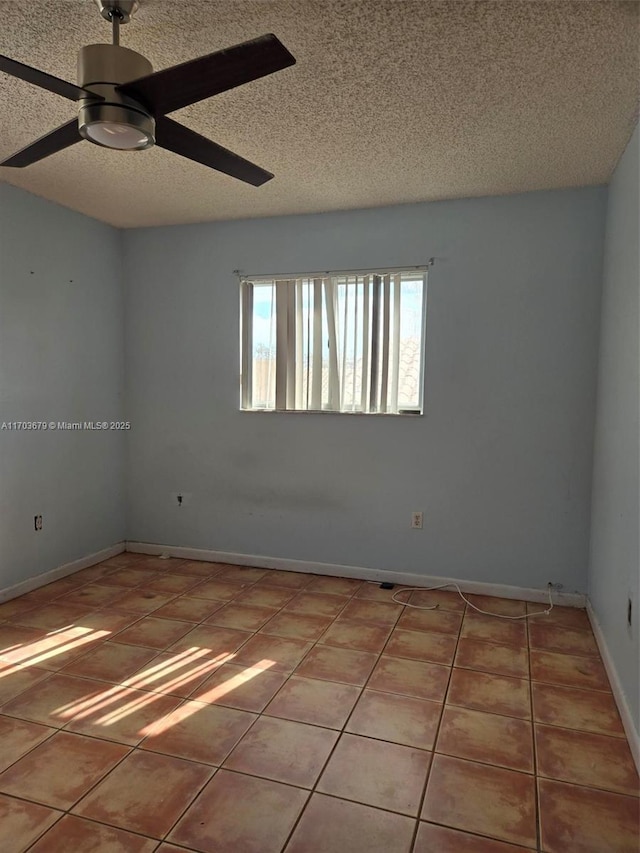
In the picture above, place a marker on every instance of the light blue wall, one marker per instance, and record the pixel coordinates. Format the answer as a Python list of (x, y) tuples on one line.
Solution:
[(501, 463), (61, 358), (614, 568)]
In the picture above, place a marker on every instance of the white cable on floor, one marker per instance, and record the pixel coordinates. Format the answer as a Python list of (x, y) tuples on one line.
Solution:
[(466, 600)]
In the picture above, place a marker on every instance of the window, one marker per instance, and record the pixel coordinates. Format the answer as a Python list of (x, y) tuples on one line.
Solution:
[(340, 342)]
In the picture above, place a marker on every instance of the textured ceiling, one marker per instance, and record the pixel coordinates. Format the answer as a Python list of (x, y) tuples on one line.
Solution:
[(391, 101)]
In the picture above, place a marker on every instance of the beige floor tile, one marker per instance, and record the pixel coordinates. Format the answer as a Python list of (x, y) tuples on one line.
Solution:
[(488, 738), (56, 589), (584, 820), (109, 619), (154, 633), (196, 568), (571, 708), (411, 678), (240, 813), (15, 679), (199, 732), (317, 603), (120, 714), (241, 574), (53, 700), (243, 618), (334, 586), (499, 606), (175, 673), (482, 799), (17, 643), (16, 607), (299, 626), (329, 825), (218, 590), (356, 635), (309, 700), (122, 560), (215, 641), (59, 649), (285, 751), (422, 645), (188, 609), (560, 639), (440, 621), (63, 768), (143, 600), (583, 758), (275, 653), (174, 583), (112, 661), (374, 612), (492, 658), (345, 665), (132, 577), (288, 580), (443, 599), (496, 694), (395, 718), (77, 835), (245, 687), (266, 596), (568, 670), (17, 737), (158, 563), (93, 595), (441, 839), (566, 617), (54, 616), (21, 823), (146, 793), (376, 773), (503, 632), (374, 592)]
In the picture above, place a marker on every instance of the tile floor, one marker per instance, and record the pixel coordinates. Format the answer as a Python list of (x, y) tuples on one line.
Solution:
[(171, 705)]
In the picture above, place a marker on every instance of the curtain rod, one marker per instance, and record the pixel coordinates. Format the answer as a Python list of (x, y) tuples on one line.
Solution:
[(319, 273)]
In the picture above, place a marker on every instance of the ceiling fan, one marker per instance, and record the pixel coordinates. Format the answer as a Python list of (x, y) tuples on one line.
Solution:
[(123, 103)]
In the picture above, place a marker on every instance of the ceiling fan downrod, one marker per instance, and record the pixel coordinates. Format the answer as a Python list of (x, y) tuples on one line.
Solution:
[(117, 12)]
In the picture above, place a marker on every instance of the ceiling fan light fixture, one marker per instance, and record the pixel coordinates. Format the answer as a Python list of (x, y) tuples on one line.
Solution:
[(116, 126)]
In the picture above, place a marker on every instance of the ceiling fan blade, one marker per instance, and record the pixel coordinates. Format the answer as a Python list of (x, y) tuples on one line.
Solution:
[(60, 138), (190, 82), (179, 139), (44, 80)]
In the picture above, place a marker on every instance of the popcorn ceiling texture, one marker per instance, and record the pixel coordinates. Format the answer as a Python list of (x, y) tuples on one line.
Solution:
[(391, 101)]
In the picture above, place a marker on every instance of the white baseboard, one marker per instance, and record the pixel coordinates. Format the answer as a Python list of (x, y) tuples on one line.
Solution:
[(60, 572), (633, 736), (405, 578)]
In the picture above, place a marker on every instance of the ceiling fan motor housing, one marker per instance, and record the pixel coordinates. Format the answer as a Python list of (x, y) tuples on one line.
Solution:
[(101, 68)]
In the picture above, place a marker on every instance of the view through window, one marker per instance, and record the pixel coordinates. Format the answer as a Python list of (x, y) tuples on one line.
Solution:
[(344, 342)]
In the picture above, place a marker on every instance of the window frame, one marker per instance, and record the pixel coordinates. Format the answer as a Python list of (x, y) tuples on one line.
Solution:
[(246, 336)]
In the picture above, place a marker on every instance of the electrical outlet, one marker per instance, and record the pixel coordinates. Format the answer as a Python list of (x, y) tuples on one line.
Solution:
[(556, 586), (37, 522), (416, 520)]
